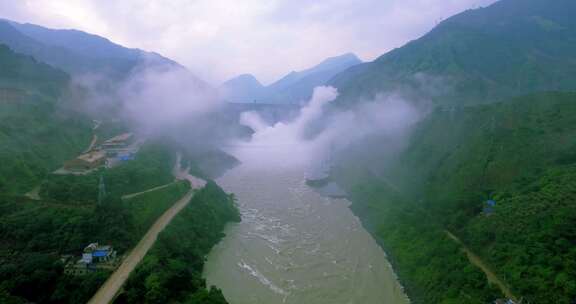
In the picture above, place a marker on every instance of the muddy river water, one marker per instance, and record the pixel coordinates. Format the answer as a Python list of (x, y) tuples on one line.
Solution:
[(293, 245)]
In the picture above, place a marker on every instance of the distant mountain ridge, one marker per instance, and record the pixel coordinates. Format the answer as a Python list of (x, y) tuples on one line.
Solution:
[(244, 88), (77, 52), (295, 87)]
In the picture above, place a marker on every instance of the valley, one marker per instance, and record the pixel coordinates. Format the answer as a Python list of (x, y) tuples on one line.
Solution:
[(301, 153)]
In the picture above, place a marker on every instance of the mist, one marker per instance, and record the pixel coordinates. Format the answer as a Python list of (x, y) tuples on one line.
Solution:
[(160, 98), (158, 102), (168, 103), (388, 116), (289, 133)]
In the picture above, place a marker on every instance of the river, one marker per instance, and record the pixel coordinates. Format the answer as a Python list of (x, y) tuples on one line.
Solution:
[(293, 245)]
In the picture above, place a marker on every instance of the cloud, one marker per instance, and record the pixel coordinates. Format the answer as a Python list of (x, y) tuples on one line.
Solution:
[(158, 98), (289, 133), (388, 116), (220, 38)]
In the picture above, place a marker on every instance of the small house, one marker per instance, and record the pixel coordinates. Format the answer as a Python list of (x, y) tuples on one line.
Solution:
[(94, 258), (99, 253), (87, 258), (119, 144), (125, 156)]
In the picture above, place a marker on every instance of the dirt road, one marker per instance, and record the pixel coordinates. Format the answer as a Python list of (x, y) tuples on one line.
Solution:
[(110, 288), (184, 174), (92, 143), (477, 261), (132, 195), (34, 193)]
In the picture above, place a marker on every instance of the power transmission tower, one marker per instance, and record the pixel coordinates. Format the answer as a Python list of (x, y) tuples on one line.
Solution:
[(101, 189)]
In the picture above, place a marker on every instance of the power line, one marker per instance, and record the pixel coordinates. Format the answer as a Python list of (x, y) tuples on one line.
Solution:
[(101, 189)]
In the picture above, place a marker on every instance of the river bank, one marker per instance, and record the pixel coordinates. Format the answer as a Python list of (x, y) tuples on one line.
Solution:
[(421, 253)]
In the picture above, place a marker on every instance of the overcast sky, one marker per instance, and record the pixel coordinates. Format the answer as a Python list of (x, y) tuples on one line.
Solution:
[(218, 39)]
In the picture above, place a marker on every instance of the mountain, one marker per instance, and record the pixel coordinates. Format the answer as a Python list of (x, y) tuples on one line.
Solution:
[(294, 88), (38, 131), (518, 153), (28, 75), (103, 72), (77, 52), (510, 48), (490, 169), (44, 233), (243, 88), (310, 78)]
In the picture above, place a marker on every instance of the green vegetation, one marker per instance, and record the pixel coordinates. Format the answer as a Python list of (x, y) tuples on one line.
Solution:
[(511, 48), (530, 237), (147, 207), (44, 121), (71, 189), (38, 233), (519, 153), (172, 271), (24, 73), (39, 130), (208, 164), (36, 133), (152, 167), (430, 266)]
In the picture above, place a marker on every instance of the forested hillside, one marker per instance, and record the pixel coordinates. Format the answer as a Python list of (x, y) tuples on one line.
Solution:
[(45, 120), (492, 163), (510, 48), (518, 153), (37, 131), (172, 271), (38, 233)]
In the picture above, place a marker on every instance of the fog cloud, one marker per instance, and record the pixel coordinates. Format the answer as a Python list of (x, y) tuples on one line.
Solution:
[(289, 133), (156, 98), (388, 115)]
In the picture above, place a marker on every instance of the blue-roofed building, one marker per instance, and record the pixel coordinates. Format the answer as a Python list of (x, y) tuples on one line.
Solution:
[(125, 156), (100, 253), (489, 207), (94, 258)]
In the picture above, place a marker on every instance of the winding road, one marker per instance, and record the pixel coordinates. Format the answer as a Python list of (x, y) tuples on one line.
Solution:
[(110, 288), (132, 195), (478, 262)]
